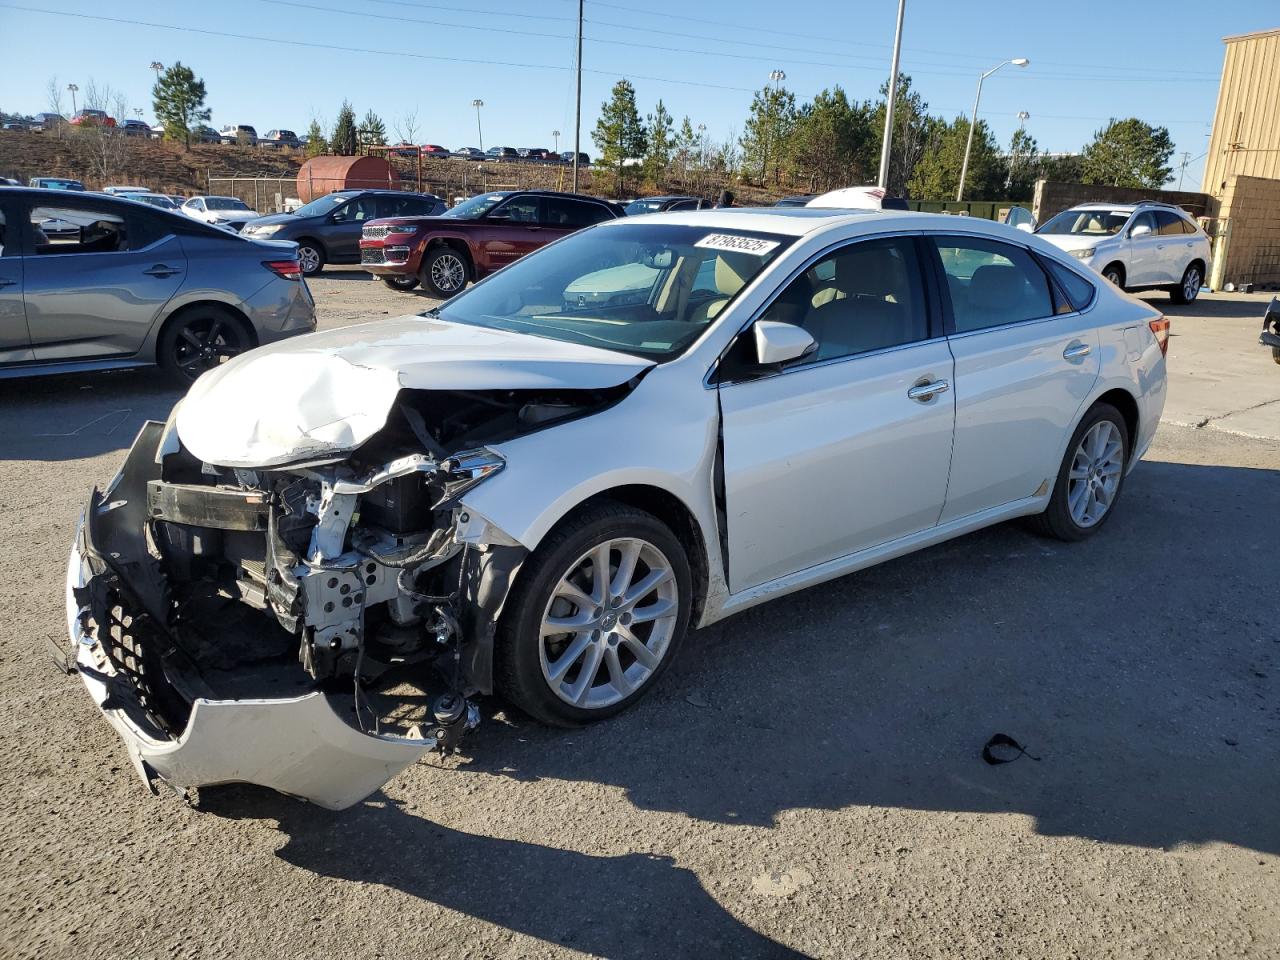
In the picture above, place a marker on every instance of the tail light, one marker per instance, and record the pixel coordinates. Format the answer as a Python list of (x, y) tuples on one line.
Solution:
[(1161, 330), (287, 269)]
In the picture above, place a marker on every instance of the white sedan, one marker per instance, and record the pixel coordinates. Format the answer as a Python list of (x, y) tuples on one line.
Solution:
[(229, 212), (538, 488)]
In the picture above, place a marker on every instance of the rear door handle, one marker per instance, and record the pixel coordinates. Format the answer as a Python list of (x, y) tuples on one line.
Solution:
[(926, 390), (7, 283), (1076, 351), (161, 270)]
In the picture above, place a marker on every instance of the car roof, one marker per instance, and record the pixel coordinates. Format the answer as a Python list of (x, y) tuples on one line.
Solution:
[(663, 198), (1130, 207), (801, 221)]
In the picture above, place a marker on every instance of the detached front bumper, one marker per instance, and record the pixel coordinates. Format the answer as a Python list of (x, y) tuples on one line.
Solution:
[(298, 745)]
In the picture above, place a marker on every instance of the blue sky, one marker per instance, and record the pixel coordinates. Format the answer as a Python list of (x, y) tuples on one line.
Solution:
[(1089, 60)]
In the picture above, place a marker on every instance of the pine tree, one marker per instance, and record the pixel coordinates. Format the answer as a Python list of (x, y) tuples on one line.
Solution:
[(1129, 153), (660, 143), (768, 127), (372, 130), (178, 99), (686, 149), (619, 134), (344, 141), (317, 145)]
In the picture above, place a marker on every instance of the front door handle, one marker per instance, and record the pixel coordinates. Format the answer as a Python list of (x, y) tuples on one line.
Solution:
[(7, 283), (926, 390), (161, 270), (1076, 351)]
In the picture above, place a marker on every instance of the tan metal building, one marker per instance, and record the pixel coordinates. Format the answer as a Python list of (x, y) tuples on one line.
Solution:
[(1246, 125)]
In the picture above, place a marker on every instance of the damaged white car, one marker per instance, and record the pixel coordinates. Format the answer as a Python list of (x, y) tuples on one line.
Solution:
[(536, 489)]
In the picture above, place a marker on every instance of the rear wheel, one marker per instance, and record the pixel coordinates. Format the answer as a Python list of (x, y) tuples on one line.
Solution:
[(311, 257), (199, 340), (445, 272), (1090, 477), (1114, 274), (596, 617), (400, 281), (1189, 288)]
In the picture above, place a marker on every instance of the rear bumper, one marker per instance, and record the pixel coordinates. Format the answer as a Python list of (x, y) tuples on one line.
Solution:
[(298, 745)]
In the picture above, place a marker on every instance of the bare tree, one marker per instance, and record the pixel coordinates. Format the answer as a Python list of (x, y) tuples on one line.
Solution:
[(105, 147), (407, 127), (55, 103)]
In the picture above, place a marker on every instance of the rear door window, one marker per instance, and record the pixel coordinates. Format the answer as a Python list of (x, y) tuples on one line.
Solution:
[(1169, 223), (574, 214), (992, 283), (72, 228)]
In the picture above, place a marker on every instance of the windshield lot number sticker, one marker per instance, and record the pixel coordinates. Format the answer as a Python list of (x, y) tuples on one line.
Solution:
[(726, 241)]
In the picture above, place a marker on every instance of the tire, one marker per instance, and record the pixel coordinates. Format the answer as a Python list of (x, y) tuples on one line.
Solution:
[(1189, 288), (1275, 354), (1114, 274), (200, 339), (400, 281), (311, 257), (1059, 519), (539, 671), (445, 272)]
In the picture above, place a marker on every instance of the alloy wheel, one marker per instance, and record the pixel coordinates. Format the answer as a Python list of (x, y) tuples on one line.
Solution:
[(204, 343), (1191, 284), (448, 273), (1094, 477), (1113, 277), (609, 623), (309, 259)]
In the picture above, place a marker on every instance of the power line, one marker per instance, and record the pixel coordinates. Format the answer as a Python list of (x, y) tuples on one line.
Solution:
[(363, 14), (470, 11)]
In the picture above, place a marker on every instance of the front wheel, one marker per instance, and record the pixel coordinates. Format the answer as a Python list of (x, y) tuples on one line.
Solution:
[(1090, 477), (444, 272), (1114, 275), (1189, 288), (400, 281), (596, 617), (310, 257)]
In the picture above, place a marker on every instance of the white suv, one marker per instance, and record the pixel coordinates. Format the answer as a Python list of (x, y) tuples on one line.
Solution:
[(1135, 245)]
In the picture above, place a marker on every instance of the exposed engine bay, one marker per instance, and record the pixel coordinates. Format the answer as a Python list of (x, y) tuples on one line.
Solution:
[(203, 587)]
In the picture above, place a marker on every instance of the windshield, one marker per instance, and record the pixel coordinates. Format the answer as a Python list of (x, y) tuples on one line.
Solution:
[(1087, 223), (643, 206), (476, 207), (321, 205), (644, 289), (225, 203)]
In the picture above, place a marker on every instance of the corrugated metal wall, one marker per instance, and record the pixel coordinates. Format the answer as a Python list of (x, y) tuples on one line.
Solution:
[(1246, 125)]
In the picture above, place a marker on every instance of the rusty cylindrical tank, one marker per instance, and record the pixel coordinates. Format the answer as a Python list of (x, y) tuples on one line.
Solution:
[(321, 175)]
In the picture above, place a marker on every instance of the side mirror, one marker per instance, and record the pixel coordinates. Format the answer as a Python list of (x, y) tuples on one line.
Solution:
[(778, 342), (499, 218), (1141, 230)]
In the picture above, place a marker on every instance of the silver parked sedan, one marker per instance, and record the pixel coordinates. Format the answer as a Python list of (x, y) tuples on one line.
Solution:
[(95, 282)]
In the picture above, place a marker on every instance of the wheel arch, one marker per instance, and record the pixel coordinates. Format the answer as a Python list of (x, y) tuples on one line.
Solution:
[(458, 244), (1119, 265), (233, 312), (1127, 404)]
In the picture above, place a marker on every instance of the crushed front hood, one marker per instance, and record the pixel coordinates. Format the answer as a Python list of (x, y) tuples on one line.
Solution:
[(326, 393)]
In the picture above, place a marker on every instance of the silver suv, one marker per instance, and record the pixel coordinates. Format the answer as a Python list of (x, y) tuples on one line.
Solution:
[(115, 283), (1136, 246)]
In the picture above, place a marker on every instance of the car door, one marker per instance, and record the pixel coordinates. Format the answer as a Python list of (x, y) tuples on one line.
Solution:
[(514, 227), (1174, 245), (95, 289), (848, 447), (15, 338), (341, 232), (1025, 361), (1144, 254)]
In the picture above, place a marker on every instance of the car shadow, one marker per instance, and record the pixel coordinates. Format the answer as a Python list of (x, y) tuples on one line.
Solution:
[(76, 416), (1140, 668), (648, 906), (343, 273)]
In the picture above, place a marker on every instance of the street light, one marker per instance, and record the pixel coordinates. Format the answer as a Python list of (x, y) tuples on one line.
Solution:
[(702, 145), (556, 134), (1023, 117), (157, 66), (973, 119), (775, 77), (478, 103), (73, 88)]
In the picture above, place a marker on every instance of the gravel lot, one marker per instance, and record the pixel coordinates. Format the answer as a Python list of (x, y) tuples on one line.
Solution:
[(807, 781)]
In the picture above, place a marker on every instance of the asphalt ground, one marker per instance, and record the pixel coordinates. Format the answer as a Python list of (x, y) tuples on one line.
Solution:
[(807, 780)]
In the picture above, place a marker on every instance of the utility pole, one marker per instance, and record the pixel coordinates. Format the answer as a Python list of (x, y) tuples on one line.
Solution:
[(1182, 168), (577, 109), (883, 180)]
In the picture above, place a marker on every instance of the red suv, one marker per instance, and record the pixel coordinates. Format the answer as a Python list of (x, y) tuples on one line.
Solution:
[(475, 238)]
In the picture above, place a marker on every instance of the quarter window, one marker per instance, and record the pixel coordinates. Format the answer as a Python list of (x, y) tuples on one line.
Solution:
[(1078, 290), (992, 283), (865, 296)]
